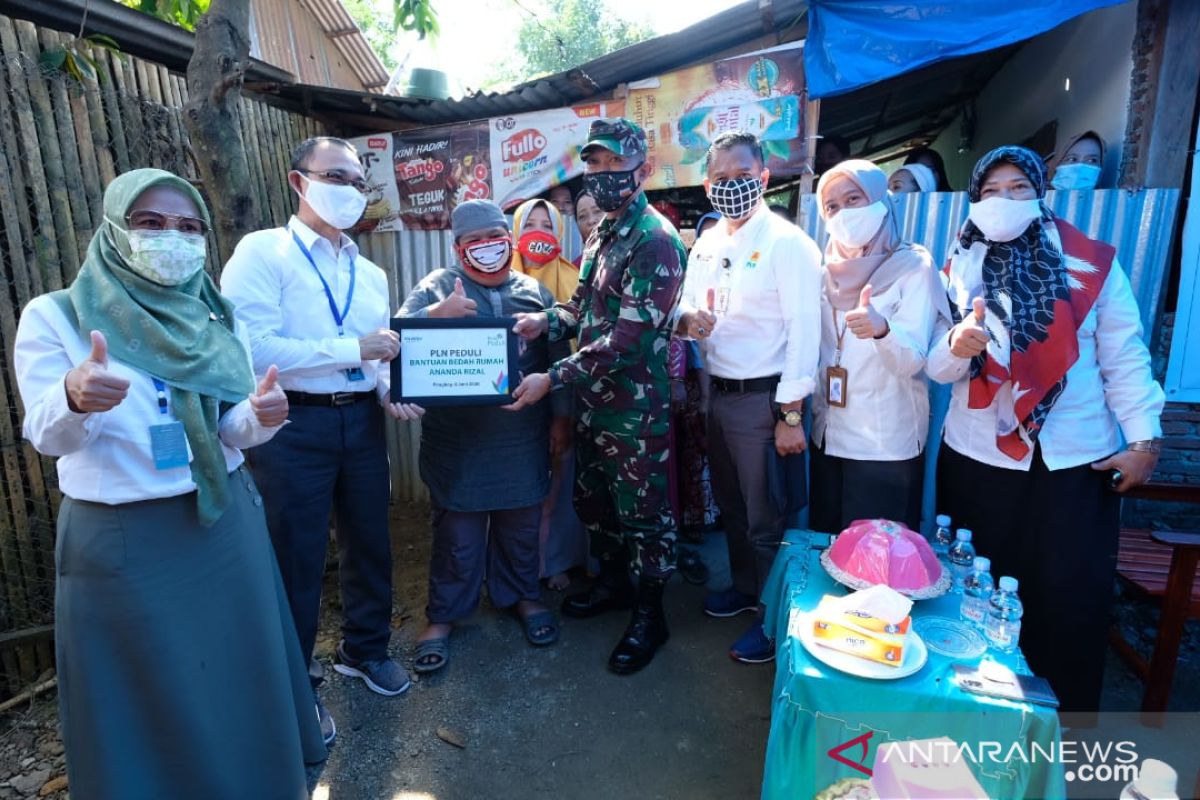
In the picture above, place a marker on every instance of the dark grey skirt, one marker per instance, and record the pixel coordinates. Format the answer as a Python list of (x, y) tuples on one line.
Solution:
[(178, 665)]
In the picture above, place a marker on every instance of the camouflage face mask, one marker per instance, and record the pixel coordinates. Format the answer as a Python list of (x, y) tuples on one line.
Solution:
[(610, 190)]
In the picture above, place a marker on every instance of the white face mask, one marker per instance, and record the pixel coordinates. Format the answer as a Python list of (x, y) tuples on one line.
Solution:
[(339, 206), (1001, 219), (168, 257), (854, 227), (1076, 176)]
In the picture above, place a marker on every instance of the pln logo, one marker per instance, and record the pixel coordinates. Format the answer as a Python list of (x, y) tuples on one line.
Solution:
[(376, 143), (523, 145)]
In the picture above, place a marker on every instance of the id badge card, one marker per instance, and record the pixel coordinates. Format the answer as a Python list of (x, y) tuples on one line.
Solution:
[(835, 386), (355, 374), (168, 444), (721, 300)]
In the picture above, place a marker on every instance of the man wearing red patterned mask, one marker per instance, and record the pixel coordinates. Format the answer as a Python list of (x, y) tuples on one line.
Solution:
[(487, 469)]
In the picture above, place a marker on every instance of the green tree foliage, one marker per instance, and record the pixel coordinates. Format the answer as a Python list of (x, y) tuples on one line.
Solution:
[(569, 33), (409, 15), (374, 18), (184, 13)]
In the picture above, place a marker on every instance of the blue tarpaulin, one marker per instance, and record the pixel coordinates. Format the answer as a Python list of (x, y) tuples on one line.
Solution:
[(853, 43)]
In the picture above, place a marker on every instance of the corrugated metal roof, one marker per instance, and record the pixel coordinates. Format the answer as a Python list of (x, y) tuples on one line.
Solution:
[(138, 34), (341, 28), (745, 22), (886, 118)]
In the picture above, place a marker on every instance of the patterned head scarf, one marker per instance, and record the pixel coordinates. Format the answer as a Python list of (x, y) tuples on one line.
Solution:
[(1036, 300), (183, 335)]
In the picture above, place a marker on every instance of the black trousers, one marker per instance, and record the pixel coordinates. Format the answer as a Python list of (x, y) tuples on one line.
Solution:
[(1056, 533), (331, 459), (845, 489)]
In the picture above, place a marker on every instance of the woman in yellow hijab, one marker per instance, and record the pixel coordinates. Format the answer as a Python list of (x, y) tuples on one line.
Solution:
[(538, 229)]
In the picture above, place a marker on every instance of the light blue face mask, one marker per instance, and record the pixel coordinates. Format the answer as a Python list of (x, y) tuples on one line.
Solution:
[(1076, 176)]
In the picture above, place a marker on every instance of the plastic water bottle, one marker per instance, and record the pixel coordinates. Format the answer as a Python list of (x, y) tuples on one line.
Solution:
[(977, 592), (1156, 780), (943, 537), (962, 557), (1003, 625)]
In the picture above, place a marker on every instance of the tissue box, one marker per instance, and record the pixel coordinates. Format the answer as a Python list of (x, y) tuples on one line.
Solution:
[(884, 648), (859, 619), (926, 769)]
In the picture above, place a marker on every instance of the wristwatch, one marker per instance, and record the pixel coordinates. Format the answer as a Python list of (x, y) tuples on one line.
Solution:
[(791, 418), (1145, 446)]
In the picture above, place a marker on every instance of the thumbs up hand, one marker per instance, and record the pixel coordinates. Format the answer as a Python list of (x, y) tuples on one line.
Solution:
[(456, 305), (91, 387), (969, 338), (863, 320), (269, 402)]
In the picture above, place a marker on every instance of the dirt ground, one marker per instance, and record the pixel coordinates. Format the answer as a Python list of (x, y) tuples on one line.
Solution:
[(553, 722), (547, 723)]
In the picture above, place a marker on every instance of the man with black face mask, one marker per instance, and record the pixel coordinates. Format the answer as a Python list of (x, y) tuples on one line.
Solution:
[(629, 286), (753, 300)]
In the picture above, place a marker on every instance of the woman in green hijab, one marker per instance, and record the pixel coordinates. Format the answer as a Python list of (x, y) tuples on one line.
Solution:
[(178, 666)]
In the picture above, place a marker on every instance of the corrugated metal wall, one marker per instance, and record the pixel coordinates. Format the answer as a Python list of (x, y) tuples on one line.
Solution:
[(1138, 224), (407, 256)]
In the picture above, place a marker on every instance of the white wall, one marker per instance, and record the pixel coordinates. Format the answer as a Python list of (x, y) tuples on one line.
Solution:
[(1093, 51)]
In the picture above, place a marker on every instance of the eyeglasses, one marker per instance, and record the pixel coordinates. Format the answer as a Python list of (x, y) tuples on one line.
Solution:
[(338, 178), (158, 221)]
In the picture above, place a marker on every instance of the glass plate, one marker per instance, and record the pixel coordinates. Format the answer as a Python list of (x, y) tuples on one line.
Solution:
[(950, 637)]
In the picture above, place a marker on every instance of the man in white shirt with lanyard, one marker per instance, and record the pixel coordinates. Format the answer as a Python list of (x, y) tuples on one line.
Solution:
[(752, 298), (321, 312)]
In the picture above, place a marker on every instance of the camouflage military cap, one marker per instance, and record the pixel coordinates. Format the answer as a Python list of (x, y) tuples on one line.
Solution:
[(622, 136)]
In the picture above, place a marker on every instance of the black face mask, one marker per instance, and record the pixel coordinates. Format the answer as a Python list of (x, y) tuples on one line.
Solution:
[(610, 190)]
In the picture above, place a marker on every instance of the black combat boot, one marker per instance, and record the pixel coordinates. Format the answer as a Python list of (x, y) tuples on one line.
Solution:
[(647, 630), (612, 591)]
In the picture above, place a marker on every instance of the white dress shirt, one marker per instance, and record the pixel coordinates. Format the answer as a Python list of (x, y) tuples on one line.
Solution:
[(1110, 390), (279, 297), (886, 416), (772, 325), (105, 457)]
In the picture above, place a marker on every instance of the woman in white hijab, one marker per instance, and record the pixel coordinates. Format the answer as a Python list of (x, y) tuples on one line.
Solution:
[(871, 407), (912, 178)]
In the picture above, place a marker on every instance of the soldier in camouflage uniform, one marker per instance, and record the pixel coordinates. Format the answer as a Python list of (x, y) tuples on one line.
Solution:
[(629, 285)]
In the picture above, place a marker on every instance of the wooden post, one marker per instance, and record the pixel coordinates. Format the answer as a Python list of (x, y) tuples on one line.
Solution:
[(212, 115)]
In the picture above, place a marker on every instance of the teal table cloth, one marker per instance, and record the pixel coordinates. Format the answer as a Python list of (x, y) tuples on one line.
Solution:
[(827, 725)]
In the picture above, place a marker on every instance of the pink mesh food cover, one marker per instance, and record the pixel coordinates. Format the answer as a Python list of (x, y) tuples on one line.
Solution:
[(875, 551)]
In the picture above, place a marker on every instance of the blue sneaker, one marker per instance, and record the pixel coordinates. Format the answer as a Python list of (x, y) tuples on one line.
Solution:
[(753, 647), (729, 603), (383, 676)]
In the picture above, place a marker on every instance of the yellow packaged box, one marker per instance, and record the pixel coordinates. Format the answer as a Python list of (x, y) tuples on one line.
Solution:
[(859, 619), (860, 634)]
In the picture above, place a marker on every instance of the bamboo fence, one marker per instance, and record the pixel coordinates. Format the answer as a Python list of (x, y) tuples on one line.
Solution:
[(61, 141)]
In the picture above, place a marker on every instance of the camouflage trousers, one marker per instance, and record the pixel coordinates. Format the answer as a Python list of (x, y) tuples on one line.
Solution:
[(622, 497)]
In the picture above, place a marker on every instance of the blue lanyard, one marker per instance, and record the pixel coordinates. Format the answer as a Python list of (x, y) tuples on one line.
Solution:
[(161, 388), (340, 319)]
